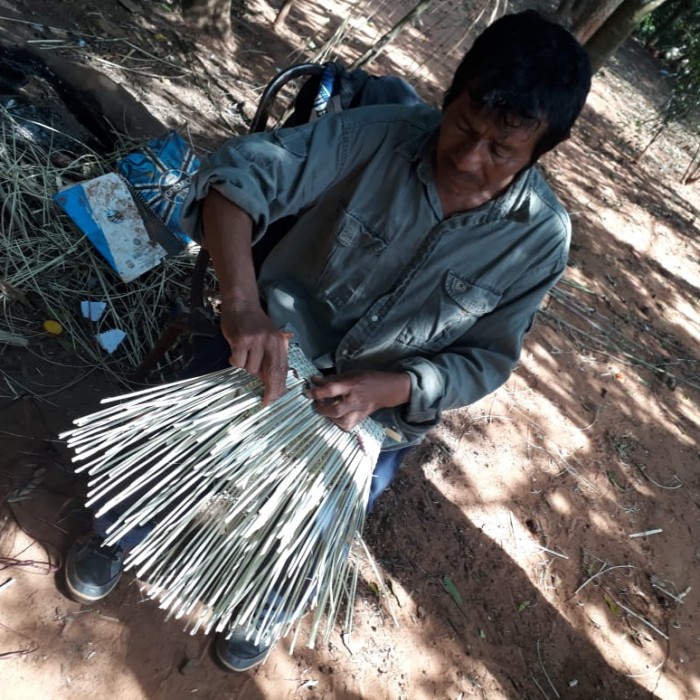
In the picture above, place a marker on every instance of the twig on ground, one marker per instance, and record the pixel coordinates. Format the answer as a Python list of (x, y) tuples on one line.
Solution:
[(604, 570), (679, 598), (147, 74), (58, 29), (646, 673), (642, 468), (650, 625), (33, 646), (33, 566), (557, 457), (549, 551), (620, 355), (646, 533), (544, 670), (539, 687)]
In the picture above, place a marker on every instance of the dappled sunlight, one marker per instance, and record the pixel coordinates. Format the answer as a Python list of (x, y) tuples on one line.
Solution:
[(68, 646), (514, 536), (602, 521), (619, 383), (560, 503), (426, 54), (564, 425)]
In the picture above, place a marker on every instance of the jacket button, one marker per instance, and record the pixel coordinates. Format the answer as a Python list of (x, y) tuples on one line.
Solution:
[(374, 318), (461, 286)]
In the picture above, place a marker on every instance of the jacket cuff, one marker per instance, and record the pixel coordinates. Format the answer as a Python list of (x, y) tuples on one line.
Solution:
[(427, 391)]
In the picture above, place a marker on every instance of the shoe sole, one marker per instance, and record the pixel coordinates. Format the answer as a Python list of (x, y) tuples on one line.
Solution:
[(246, 665), (79, 596)]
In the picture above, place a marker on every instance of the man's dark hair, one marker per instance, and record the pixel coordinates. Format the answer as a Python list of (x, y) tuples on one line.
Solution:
[(526, 69)]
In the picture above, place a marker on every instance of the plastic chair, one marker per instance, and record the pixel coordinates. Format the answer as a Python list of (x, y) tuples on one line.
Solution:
[(197, 319)]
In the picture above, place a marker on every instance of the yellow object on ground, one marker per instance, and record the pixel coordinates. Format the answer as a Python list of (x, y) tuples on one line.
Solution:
[(53, 327)]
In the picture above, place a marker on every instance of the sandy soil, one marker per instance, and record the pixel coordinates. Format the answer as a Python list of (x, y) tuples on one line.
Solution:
[(511, 541)]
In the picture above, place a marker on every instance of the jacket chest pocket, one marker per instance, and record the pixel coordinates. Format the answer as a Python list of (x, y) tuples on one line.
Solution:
[(450, 310), (352, 257)]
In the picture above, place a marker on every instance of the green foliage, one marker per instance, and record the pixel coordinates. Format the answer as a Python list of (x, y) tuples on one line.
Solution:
[(672, 32), (647, 27)]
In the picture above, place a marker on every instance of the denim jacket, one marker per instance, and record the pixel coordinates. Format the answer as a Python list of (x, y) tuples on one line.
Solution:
[(372, 275)]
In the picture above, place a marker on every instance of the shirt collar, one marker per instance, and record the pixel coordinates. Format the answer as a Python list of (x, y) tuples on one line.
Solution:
[(513, 204)]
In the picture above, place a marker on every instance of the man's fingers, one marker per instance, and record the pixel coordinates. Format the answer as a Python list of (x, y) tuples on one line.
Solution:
[(333, 407), (239, 355), (348, 421), (326, 388), (254, 361), (274, 374), (275, 385)]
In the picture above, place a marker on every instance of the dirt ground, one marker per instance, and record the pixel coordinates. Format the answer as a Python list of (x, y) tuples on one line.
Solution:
[(513, 543)]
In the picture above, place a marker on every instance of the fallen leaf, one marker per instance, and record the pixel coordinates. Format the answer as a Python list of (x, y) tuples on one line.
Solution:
[(452, 590), (614, 607)]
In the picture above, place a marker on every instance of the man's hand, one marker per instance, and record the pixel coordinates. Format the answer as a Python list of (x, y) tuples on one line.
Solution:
[(347, 399), (257, 346)]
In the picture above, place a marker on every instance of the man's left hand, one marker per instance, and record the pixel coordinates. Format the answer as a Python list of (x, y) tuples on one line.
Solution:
[(347, 399)]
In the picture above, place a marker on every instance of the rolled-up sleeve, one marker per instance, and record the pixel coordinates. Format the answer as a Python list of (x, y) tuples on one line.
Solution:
[(280, 173), (266, 175), (479, 362)]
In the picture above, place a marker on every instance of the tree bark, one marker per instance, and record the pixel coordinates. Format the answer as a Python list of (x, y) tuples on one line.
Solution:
[(589, 19), (692, 173), (372, 53), (212, 16), (282, 14), (570, 11), (618, 27)]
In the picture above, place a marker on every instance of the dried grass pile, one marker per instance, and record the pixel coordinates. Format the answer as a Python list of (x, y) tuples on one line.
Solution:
[(252, 510), (47, 266)]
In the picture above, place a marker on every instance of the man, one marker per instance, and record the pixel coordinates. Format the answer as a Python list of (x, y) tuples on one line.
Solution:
[(424, 244)]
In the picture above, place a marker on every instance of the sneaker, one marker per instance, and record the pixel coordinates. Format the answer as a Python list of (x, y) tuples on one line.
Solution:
[(92, 571), (236, 653)]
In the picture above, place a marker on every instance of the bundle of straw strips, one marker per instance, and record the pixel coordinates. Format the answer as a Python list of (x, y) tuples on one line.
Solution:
[(44, 259), (250, 511)]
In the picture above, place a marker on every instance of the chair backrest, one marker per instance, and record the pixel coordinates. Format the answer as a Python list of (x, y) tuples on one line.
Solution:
[(283, 78), (334, 88), (328, 88)]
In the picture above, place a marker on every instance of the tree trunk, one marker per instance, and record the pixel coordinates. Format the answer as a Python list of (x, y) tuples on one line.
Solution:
[(591, 18), (570, 11), (282, 14), (212, 16), (372, 53), (692, 173), (618, 27)]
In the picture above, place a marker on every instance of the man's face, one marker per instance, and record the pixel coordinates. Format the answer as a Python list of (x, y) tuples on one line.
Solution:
[(477, 156)]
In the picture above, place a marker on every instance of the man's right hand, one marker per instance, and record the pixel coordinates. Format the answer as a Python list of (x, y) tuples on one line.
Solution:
[(257, 346)]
